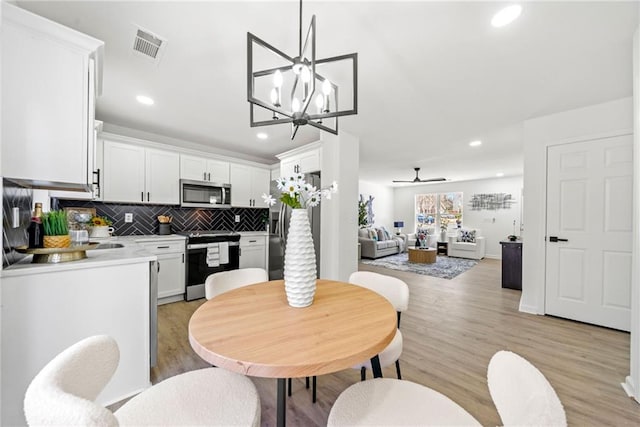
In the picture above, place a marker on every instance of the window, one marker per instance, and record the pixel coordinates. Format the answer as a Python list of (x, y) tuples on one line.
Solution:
[(441, 208)]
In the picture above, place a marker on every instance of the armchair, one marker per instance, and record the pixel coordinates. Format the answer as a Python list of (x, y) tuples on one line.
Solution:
[(466, 244)]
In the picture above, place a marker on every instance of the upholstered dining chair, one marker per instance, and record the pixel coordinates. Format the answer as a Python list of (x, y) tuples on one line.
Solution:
[(224, 281), (387, 401), (397, 292), (521, 393), (64, 391)]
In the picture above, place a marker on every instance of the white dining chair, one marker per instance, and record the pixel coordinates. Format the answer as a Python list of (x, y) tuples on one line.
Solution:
[(521, 393), (397, 292), (63, 393), (392, 402), (224, 281)]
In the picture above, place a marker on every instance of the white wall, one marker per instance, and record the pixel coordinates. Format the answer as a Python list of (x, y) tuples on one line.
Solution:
[(597, 121), (382, 204), (495, 225)]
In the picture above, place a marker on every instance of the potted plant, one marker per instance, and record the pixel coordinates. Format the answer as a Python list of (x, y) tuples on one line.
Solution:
[(101, 226), (56, 229)]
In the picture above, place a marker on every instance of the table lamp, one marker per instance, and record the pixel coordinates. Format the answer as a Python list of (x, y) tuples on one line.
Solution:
[(398, 225)]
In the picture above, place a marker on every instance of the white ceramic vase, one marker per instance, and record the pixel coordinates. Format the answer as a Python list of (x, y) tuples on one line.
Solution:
[(300, 261), (443, 236)]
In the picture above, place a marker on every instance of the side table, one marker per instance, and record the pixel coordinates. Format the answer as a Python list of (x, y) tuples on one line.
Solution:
[(512, 264), (442, 248)]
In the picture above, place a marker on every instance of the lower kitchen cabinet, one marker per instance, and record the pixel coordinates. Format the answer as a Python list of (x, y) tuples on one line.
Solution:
[(55, 306), (171, 268), (253, 251)]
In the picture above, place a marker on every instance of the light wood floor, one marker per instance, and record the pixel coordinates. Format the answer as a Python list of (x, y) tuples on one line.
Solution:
[(451, 330)]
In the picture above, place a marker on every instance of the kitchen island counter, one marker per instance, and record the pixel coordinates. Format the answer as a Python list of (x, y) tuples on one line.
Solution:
[(131, 253)]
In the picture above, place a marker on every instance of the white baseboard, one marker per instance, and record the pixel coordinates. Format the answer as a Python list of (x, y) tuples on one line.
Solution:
[(629, 388), (531, 309)]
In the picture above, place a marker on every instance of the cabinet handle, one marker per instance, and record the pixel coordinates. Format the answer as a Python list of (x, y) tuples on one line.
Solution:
[(148, 197), (204, 176), (158, 266), (163, 247), (252, 241), (209, 176), (183, 258), (96, 182), (142, 196)]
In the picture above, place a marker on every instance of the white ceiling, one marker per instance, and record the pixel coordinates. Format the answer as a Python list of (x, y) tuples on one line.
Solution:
[(432, 75)]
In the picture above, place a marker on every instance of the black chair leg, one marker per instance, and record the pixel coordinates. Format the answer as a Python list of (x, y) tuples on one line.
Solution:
[(289, 387), (363, 373), (398, 369), (314, 390), (307, 382)]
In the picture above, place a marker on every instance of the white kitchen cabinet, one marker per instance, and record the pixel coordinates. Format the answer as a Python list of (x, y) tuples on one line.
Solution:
[(253, 251), (296, 161), (162, 172), (203, 169), (137, 174), (50, 78), (171, 268), (248, 184), (44, 313)]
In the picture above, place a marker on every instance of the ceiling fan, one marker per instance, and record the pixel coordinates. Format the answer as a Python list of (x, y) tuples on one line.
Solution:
[(417, 179)]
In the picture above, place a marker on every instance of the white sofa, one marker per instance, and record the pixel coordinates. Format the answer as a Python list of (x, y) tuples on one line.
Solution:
[(469, 250)]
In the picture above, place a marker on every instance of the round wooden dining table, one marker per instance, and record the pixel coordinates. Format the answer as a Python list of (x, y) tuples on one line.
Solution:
[(252, 330)]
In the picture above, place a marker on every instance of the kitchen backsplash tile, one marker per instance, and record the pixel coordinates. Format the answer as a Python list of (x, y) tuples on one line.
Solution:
[(14, 195), (145, 217)]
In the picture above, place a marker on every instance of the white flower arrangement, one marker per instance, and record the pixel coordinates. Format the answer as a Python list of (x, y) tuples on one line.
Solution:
[(298, 193)]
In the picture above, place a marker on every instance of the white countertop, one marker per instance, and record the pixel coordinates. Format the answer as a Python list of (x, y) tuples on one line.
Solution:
[(131, 253)]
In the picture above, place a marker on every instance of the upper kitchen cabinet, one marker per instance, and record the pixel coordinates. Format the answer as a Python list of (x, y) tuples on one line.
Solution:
[(51, 75), (138, 174), (248, 184), (203, 169), (301, 160)]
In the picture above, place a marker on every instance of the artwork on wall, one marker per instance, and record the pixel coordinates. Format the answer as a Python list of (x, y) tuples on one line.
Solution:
[(491, 201)]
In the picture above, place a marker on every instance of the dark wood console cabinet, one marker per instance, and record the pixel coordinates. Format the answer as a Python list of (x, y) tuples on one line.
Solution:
[(512, 265)]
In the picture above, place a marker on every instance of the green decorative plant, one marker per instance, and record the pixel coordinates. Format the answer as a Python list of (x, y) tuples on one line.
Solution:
[(55, 223), (362, 214)]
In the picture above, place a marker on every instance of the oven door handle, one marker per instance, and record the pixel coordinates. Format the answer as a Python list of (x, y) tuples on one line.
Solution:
[(207, 245)]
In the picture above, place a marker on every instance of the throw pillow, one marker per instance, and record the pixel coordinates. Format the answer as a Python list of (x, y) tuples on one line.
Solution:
[(381, 236), (387, 235), (372, 234), (468, 236)]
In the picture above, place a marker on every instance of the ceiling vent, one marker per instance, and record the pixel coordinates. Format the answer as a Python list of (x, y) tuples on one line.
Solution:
[(148, 45)]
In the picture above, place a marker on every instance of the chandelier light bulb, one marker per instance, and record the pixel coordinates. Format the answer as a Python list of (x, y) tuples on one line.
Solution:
[(320, 102), (277, 79), (295, 105), (305, 74), (326, 87), (275, 98)]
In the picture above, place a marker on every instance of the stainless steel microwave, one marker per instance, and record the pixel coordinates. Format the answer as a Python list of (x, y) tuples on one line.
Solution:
[(201, 194)]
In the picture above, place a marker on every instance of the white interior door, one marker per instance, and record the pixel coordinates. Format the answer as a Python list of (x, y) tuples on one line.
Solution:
[(589, 196)]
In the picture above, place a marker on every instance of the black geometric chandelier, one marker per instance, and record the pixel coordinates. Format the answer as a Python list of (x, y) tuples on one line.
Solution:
[(300, 90)]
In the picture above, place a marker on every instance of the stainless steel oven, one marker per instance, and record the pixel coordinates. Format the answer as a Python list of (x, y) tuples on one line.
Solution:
[(209, 252)]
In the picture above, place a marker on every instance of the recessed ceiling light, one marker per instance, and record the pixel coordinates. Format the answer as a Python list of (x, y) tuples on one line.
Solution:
[(262, 135), (506, 16), (144, 100), (500, 174), (476, 143)]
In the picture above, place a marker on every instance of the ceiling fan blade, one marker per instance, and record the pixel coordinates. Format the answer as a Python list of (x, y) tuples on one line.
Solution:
[(433, 179)]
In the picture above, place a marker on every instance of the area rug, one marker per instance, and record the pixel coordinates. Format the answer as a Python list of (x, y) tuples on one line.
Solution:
[(444, 267)]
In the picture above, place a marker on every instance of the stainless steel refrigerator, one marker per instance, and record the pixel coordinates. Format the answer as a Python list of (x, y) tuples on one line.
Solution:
[(279, 225)]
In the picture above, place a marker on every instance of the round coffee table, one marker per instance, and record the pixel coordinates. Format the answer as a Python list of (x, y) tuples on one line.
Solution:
[(422, 255)]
